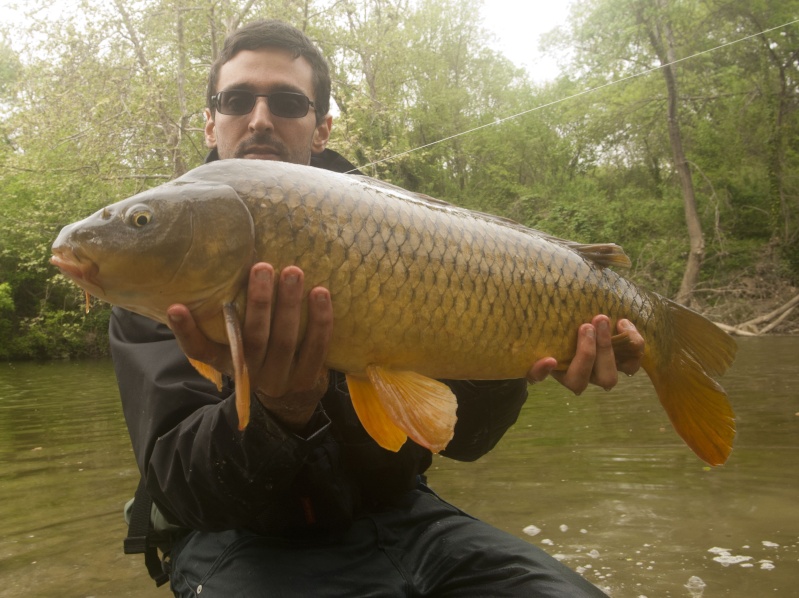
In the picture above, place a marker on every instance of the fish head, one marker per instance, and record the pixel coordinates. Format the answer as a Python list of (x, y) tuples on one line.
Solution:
[(186, 242)]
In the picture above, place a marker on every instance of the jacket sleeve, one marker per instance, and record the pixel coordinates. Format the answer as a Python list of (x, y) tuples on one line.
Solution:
[(486, 409), (201, 471)]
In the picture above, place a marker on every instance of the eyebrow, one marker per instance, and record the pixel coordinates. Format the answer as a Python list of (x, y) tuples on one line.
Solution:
[(256, 89)]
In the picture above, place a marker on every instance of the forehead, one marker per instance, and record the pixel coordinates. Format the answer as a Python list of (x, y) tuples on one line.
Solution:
[(266, 70)]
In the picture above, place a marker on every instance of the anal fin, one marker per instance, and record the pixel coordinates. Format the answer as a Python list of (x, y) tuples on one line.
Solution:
[(373, 416)]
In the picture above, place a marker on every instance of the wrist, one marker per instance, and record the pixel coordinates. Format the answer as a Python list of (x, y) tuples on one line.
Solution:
[(291, 414)]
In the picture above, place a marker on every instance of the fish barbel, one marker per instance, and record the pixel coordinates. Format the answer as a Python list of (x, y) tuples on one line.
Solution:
[(421, 290)]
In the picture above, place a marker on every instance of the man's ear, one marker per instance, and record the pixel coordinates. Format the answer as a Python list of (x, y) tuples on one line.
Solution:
[(321, 135), (210, 129)]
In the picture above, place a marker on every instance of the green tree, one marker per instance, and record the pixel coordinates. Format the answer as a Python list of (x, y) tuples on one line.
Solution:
[(106, 101)]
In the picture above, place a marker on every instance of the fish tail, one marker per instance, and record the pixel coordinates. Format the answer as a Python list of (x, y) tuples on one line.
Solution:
[(682, 373)]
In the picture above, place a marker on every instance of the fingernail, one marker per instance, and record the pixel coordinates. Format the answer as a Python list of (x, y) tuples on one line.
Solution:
[(264, 275), (174, 318), (291, 279), (321, 298), (590, 332)]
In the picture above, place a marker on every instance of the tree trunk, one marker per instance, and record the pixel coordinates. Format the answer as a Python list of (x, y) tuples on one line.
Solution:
[(662, 39), (172, 131)]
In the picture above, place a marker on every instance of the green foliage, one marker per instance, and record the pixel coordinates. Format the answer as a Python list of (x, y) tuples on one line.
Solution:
[(61, 334), (107, 100)]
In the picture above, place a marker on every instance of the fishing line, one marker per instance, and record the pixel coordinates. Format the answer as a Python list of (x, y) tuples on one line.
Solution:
[(499, 121)]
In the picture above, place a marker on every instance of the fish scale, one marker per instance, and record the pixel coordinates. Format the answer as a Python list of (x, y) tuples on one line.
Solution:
[(421, 290)]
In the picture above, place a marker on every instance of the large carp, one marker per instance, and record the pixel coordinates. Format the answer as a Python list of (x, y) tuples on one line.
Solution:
[(421, 290)]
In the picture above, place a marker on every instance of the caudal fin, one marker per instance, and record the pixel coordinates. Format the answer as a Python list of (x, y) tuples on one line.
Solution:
[(683, 374)]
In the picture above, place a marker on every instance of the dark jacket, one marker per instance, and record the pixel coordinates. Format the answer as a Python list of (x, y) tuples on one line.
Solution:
[(204, 474)]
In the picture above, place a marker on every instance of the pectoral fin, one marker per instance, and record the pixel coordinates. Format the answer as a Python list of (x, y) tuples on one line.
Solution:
[(241, 376), (420, 406)]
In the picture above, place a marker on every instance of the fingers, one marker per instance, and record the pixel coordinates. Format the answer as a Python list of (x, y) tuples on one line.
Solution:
[(287, 370), (630, 361), (282, 361), (258, 316), (578, 374), (275, 374), (595, 361), (193, 342), (541, 369), (604, 372), (312, 353)]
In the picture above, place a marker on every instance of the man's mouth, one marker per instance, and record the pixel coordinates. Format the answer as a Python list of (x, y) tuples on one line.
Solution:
[(261, 152)]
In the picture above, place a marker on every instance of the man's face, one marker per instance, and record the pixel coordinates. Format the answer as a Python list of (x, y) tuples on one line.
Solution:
[(261, 135)]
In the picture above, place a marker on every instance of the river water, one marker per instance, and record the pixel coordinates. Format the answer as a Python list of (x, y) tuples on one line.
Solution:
[(601, 481)]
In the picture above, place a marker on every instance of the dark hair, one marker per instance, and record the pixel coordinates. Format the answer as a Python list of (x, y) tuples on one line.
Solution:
[(271, 33)]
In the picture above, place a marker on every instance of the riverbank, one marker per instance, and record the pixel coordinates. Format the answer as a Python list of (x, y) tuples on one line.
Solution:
[(755, 305), (759, 301)]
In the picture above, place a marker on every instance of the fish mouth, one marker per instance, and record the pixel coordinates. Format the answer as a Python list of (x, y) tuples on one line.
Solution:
[(79, 268)]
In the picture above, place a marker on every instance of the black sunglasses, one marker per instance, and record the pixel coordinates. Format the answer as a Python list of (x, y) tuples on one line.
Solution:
[(236, 102)]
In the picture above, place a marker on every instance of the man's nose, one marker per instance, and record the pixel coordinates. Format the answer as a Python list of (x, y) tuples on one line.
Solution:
[(261, 117)]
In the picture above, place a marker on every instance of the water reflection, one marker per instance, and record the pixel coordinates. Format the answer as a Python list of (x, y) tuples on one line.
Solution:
[(617, 495), (600, 480), (66, 467)]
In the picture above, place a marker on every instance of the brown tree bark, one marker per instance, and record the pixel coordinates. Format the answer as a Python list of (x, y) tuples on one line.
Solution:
[(662, 40)]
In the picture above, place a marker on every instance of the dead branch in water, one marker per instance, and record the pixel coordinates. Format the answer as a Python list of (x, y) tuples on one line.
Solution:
[(771, 320)]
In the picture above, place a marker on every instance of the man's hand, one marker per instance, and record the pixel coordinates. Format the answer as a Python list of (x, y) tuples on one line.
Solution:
[(594, 362), (287, 374)]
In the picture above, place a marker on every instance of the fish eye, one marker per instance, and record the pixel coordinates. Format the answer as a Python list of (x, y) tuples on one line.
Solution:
[(140, 216)]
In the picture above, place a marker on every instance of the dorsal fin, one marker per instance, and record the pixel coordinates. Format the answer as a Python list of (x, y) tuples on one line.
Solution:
[(602, 254)]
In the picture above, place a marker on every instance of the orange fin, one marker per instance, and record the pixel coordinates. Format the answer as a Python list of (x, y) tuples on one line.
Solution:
[(208, 372), (88, 301), (422, 407), (373, 417), (695, 403), (242, 377)]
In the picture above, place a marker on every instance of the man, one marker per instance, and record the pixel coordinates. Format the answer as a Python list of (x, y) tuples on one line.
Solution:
[(304, 502)]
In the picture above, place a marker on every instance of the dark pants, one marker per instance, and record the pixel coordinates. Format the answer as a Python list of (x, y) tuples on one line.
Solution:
[(425, 547)]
